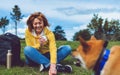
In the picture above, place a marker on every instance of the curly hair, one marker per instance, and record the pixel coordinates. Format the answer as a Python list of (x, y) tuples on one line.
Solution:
[(38, 15)]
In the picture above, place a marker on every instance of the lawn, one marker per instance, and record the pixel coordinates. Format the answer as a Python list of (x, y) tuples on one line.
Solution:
[(35, 70)]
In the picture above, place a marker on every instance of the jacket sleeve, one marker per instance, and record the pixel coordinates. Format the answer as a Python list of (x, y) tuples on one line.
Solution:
[(52, 47), (30, 40)]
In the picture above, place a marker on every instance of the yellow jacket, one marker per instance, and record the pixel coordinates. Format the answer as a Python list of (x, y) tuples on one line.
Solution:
[(50, 46)]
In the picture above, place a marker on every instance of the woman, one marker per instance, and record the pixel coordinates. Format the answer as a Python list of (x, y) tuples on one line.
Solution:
[(41, 46)]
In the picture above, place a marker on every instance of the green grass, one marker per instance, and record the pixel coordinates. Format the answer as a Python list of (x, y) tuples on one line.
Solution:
[(35, 70)]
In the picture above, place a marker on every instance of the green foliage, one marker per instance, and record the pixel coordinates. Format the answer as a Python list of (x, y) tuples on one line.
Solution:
[(73, 44), (59, 33), (101, 29), (112, 43), (35, 70), (4, 22), (108, 30), (16, 16), (85, 33)]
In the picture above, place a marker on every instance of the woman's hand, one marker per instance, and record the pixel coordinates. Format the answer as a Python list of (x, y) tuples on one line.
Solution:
[(52, 70)]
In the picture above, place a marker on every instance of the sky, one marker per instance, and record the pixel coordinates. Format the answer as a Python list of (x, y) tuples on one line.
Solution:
[(71, 15)]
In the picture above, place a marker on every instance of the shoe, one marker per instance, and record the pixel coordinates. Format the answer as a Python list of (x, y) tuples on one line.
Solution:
[(66, 68), (42, 67)]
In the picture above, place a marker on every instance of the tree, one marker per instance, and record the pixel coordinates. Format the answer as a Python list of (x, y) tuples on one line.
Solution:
[(114, 29), (4, 22), (104, 30), (59, 33), (85, 33), (16, 16), (96, 26)]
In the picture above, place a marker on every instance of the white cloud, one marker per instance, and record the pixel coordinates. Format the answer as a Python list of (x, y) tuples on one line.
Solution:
[(24, 19), (80, 27), (48, 8), (20, 32), (110, 16), (70, 33)]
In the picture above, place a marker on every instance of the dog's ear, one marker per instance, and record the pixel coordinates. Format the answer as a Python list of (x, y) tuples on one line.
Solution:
[(93, 38), (84, 44)]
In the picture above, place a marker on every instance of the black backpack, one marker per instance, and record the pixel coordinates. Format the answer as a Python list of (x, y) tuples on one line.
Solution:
[(9, 41)]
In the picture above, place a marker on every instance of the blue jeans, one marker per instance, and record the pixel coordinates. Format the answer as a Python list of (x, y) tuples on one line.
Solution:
[(33, 56)]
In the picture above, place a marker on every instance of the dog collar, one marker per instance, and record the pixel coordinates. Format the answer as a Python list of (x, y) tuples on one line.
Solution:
[(102, 61), (97, 66)]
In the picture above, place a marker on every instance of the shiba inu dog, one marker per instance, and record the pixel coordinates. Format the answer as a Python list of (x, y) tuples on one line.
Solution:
[(93, 54)]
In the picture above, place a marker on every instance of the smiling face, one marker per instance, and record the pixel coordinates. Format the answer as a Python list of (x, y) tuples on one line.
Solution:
[(38, 25), (37, 21), (88, 52)]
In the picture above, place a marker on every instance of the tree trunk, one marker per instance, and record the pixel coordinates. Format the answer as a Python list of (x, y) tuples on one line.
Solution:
[(16, 27)]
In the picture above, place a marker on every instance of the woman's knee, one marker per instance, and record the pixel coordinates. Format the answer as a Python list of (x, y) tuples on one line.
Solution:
[(68, 48), (27, 49)]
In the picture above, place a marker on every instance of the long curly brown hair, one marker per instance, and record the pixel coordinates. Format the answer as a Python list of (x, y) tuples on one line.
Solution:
[(38, 15)]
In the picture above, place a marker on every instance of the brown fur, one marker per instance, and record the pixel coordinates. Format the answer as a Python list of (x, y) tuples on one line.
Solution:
[(90, 51)]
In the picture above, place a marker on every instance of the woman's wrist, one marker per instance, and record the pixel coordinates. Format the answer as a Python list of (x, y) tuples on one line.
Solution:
[(53, 65), (52, 70)]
